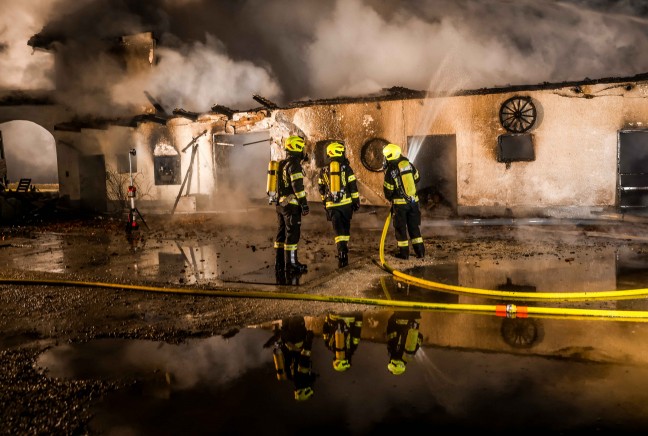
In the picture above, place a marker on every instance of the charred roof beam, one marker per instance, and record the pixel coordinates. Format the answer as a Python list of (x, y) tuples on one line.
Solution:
[(219, 109), (265, 102)]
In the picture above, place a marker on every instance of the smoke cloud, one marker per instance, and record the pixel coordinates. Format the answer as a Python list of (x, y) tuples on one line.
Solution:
[(222, 52)]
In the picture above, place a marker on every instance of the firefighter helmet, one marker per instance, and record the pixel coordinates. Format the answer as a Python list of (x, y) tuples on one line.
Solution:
[(341, 365), (335, 149), (294, 144), (391, 151), (396, 366), (303, 394)]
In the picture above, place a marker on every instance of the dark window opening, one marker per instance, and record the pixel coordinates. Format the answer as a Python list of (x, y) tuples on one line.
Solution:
[(371, 154), (515, 148), (167, 170)]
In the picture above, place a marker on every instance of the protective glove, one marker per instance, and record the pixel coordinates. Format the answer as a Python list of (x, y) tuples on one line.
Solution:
[(356, 206), (305, 210)]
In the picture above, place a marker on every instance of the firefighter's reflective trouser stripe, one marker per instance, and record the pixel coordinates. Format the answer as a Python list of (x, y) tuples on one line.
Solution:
[(341, 220), (407, 221), (289, 226)]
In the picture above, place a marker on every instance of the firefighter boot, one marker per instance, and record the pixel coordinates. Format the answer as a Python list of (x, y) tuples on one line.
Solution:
[(402, 253), (292, 263), (343, 254), (419, 250), (343, 259), (280, 263)]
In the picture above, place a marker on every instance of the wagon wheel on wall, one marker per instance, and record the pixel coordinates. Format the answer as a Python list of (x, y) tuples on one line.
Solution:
[(371, 154), (518, 114)]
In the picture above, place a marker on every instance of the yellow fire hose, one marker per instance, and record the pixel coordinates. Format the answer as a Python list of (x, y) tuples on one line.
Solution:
[(512, 310), (510, 295), (508, 310), (503, 310)]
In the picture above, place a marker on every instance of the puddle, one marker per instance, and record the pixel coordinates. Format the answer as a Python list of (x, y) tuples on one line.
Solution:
[(175, 262), (470, 372), (589, 269)]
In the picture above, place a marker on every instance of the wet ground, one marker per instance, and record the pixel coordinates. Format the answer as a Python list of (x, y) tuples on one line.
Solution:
[(106, 332)]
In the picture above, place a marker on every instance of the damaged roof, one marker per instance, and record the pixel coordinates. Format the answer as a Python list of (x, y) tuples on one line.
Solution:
[(400, 93)]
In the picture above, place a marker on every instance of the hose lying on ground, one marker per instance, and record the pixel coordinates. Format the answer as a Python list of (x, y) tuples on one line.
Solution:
[(507, 295)]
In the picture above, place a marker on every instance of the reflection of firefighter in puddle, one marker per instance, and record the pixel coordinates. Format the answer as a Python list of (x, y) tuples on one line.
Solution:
[(341, 334), (403, 340), (339, 192), (292, 344)]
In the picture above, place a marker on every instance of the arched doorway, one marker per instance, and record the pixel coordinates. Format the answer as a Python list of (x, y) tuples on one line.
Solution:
[(30, 153)]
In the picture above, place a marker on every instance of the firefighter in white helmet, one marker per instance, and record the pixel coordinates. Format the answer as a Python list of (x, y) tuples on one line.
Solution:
[(339, 192), (292, 205), (403, 340), (399, 187)]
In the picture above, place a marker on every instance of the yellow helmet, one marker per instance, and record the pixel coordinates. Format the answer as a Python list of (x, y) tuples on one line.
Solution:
[(341, 365), (294, 144), (303, 394), (391, 151), (334, 149), (396, 366)]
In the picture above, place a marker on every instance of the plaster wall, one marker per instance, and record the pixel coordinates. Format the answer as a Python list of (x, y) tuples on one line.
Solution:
[(575, 142)]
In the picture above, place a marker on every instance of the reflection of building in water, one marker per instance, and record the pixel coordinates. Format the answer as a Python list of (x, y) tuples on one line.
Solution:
[(586, 269), (582, 339)]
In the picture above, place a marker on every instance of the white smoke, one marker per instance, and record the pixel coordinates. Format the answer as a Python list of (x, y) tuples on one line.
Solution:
[(22, 67), (219, 52), (197, 77)]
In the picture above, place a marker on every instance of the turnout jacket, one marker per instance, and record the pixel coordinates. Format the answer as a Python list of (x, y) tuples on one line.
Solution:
[(350, 325), (291, 181)]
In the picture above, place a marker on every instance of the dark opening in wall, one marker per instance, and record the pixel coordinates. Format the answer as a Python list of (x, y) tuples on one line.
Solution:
[(633, 170), (167, 170), (515, 148), (371, 154)]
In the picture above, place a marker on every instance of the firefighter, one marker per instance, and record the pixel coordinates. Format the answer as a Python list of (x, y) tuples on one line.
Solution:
[(341, 335), (399, 188), (339, 192), (403, 340), (291, 206), (292, 344)]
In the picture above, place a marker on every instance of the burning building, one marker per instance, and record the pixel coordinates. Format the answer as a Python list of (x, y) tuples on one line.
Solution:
[(570, 149)]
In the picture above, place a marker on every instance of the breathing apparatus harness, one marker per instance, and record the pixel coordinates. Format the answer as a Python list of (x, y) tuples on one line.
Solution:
[(403, 175), (335, 185)]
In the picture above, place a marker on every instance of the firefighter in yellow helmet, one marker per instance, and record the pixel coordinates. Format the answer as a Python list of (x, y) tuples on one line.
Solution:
[(292, 344), (341, 335), (401, 177), (403, 340), (339, 192), (291, 206)]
